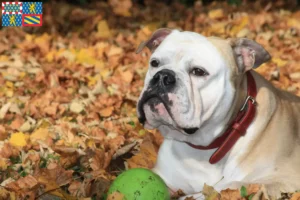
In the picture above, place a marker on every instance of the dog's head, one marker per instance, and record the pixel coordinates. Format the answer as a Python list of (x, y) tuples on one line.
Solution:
[(191, 83)]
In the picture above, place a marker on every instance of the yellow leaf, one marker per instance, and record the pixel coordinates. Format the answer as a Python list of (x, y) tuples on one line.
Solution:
[(99, 64), (3, 164), (242, 23), (18, 139), (9, 93), (90, 143), (4, 58), (40, 134), (50, 56), (93, 79), (279, 62), (103, 29), (22, 74), (292, 22), (106, 112), (153, 25), (86, 56), (28, 38), (210, 193), (9, 84), (105, 73), (216, 14)]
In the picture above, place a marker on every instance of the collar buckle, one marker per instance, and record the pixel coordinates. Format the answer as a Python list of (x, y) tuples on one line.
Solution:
[(246, 101)]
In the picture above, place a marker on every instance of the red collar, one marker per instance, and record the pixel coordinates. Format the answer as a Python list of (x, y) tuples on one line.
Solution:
[(237, 128)]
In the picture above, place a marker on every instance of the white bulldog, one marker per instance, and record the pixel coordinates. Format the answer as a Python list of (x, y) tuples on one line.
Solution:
[(223, 124)]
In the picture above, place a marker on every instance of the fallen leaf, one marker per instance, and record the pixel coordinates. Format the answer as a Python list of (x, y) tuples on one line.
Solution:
[(40, 134), (216, 14), (103, 29), (27, 183), (230, 194), (295, 76), (121, 7), (296, 196), (127, 76), (3, 133), (18, 139), (4, 110), (3, 164), (116, 196), (210, 193), (76, 107), (106, 112), (146, 157)]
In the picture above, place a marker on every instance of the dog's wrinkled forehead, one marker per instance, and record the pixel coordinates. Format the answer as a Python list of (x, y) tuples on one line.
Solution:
[(177, 40), (188, 47)]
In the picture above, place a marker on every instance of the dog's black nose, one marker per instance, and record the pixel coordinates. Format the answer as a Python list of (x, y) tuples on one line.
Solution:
[(164, 79)]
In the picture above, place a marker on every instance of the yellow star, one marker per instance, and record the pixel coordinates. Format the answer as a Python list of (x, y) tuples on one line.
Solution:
[(32, 8), (12, 20)]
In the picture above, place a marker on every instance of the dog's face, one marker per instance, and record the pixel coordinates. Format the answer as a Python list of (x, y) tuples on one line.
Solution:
[(189, 87)]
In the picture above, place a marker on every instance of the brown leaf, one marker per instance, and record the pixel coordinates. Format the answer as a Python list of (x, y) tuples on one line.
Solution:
[(3, 133), (4, 194), (116, 196), (74, 188), (106, 112), (56, 174), (100, 187), (17, 122), (26, 183), (146, 158), (230, 194)]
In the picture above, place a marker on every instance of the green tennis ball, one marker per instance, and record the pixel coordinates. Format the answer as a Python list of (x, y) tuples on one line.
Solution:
[(140, 184)]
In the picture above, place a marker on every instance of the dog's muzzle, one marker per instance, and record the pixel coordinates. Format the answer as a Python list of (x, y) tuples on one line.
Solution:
[(162, 83)]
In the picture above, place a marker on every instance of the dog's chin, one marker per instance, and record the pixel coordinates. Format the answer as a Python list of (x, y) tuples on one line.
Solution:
[(157, 114)]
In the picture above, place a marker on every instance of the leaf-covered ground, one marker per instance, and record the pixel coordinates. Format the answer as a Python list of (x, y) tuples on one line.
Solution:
[(68, 89)]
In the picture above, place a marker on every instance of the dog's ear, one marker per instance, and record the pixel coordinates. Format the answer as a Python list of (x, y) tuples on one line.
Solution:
[(248, 53), (154, 41)]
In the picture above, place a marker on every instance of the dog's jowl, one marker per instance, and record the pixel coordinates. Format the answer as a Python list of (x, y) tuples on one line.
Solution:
[(223, 123)]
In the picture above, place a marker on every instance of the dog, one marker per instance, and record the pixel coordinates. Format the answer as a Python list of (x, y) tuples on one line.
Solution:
[(223, 124)]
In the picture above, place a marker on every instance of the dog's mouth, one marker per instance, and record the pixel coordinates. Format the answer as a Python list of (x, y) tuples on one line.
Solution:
[(190, 131), (154, 99)]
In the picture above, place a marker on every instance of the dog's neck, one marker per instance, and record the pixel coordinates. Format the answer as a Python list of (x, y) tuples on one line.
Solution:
[(241, 95)]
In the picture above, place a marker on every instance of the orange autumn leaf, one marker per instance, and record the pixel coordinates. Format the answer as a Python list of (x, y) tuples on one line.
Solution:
[(296, 196), (127, 76), (106, 112), (230, 194)]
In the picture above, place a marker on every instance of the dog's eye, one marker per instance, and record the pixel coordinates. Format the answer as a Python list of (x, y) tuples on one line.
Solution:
[(199, 72), (154, 63)]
